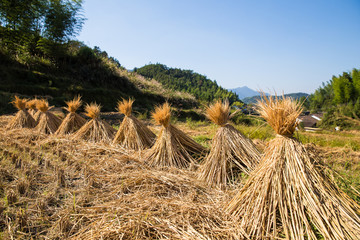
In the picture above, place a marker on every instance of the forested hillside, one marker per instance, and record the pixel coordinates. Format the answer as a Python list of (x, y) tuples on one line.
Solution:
[(39, 57), (186, 80), (340, 99)]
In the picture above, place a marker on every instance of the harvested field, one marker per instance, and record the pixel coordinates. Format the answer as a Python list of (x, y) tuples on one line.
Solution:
[(54, 187), (58, 188)]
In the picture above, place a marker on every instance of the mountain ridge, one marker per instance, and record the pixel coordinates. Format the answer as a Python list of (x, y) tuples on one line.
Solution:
[(244, 92), (253, 99)]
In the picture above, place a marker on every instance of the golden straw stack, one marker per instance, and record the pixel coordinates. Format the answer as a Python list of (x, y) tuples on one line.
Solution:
[(286, 196), (37, 112), (173, 148), (132, 133), (73, 121), (231, 152), (95, 130), (31, 105), (47, 123), (23, 118)]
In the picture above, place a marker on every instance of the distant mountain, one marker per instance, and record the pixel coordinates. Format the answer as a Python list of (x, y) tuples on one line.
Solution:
[(253, 99), (244, 92)]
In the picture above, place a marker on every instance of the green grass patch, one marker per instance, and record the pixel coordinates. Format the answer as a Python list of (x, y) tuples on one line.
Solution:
[(203, 140), (263, 132), (345, 140)]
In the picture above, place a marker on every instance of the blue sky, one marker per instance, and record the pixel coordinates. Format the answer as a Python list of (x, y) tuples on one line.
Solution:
[(287, 46)]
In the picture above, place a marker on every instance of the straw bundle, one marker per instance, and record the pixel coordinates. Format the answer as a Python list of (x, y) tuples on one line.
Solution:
[(73, 121), (230, 152), (95, 130), (48, 123), (172, 147), (132, 133), (31, 105), (22, 119), (286, 196), (36, 114)]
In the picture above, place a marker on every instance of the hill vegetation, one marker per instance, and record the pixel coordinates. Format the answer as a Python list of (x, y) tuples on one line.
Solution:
[(196, 84), (340, 99), (39, 58), (85, 71)]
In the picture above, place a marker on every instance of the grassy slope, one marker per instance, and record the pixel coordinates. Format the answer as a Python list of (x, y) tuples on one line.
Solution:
[(199, 85), (83, 72)]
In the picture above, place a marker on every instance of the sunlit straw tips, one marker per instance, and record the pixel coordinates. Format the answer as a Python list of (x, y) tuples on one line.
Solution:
[(19, 103), (73, 105), (92, 110), (31, 104), (125, 106), (219, 112), (23, 118), (280, 112), (162, 114), (42, 105), (73, 121)]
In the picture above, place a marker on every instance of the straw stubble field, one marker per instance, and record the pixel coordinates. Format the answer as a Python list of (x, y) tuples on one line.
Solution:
[(54, 187)]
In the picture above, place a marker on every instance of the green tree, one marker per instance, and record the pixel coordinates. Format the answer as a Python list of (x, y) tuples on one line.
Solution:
[(63, 19), (339, 98), (355, 74), (357, 108), (322, 98), (20, 20), (24, 22), (188, 81), (343, 88)]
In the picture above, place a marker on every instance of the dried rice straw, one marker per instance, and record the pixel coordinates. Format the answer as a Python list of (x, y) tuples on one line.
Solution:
[(94, 191), (132, 133), (230, 152), (73, 121), (286, 196), (172, 147), (95, 130), (22, 119), (31, 105), (48, 123)]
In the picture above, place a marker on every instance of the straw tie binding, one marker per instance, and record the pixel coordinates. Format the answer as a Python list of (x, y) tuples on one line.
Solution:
[(285, 135)]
